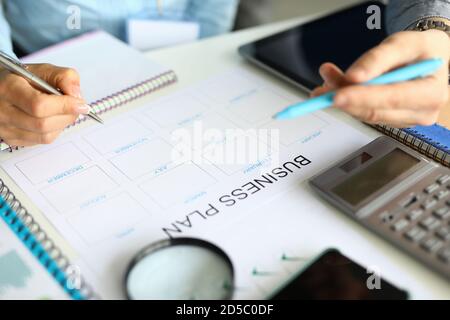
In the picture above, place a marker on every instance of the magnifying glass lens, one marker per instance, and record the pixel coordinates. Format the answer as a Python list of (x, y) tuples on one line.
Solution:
[(181, 272)]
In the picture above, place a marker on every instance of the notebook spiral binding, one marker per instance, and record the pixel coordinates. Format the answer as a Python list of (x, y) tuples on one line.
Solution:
[(41, 246), (132, 93), (419, 144), (120, 98)]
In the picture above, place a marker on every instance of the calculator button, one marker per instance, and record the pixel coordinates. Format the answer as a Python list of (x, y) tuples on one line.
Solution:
[(386, 217), (415, 214), (429, 203), (408, 201), (431, 188), (442, 194), (444, 179), (430, 223), (432, 245), (400, 225), (444, 233), (442, 213), (415, 234), (444, 255)]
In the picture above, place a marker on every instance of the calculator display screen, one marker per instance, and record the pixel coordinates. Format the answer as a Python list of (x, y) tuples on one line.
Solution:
[(373, 178)]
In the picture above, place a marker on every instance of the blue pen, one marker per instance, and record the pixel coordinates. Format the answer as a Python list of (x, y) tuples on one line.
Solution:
[(419, 70)]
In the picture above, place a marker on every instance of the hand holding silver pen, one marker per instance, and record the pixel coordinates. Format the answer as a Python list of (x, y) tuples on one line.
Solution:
[(33, 108)]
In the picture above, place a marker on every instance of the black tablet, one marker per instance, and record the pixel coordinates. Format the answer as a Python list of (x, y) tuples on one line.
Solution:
[(333, 276), (341, 37)]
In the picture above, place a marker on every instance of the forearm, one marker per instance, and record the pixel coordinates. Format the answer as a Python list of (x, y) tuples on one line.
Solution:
[(5, 33), (401, 14)]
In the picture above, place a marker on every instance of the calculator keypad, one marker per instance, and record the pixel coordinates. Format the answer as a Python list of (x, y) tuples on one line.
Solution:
[(422, 219)]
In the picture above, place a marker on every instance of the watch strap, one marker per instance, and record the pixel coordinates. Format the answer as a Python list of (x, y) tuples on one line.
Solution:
[(431, 24)]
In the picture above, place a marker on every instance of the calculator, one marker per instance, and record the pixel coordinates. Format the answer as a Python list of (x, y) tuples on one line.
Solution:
[(398, 194)]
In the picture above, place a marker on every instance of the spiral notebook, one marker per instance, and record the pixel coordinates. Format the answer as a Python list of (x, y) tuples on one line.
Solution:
[(31, 266), (431, 141), (119, 73)]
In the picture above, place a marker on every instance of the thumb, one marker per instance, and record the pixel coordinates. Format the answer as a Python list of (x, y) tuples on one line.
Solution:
[(319, 91), (65, 79), (333, 76)]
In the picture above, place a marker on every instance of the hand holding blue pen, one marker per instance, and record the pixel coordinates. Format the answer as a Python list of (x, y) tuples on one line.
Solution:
[(419, 70)]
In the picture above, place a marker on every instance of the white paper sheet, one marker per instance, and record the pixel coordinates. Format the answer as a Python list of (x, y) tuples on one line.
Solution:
[(105, 64), (151, 34), (115, 188)]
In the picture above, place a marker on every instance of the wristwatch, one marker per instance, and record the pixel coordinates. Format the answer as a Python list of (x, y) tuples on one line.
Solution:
[(432, 23), (435, 23)]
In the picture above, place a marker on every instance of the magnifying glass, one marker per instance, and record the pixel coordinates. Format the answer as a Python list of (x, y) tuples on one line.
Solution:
[(180, 269)]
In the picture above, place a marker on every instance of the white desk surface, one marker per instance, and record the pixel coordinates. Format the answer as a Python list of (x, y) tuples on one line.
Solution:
[(197, 61)]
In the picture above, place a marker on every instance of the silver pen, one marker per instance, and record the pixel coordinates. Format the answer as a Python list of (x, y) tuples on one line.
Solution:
[(18, 68)]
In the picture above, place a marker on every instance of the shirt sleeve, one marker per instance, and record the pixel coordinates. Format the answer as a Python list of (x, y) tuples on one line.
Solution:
[(5, 33), (214, 16), (401, 14)]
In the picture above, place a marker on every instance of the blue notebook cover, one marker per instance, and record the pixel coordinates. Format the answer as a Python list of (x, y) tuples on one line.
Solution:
[(436, 135), (431, 141), (9, 215)]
